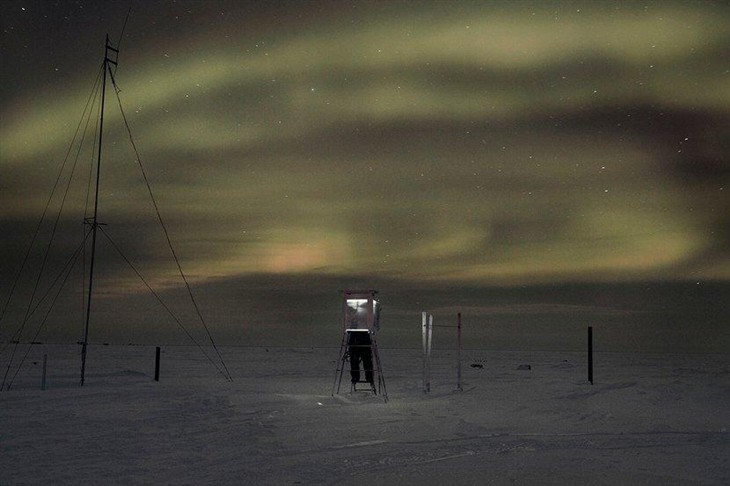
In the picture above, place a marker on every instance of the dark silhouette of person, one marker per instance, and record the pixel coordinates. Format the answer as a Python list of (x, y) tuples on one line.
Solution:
[(360, 350)]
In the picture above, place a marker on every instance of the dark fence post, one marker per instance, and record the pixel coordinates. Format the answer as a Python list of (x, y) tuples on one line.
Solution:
[(157, 364), (458, 352), (590, 354), (45, 365)]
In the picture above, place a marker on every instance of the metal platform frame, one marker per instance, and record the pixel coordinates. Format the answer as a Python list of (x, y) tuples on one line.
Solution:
[(343, 364)]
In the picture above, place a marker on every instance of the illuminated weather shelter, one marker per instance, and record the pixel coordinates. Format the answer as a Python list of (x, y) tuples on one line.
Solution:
[(359, 349)]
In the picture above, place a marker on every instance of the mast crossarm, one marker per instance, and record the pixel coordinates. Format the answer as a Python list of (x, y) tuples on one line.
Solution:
[(91, 222), (108, 48)]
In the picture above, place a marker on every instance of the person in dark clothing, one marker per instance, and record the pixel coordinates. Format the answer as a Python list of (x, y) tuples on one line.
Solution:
[(360, 350)]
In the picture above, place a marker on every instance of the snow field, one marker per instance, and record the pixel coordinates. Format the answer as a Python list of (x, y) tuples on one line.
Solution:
[(648, 419)]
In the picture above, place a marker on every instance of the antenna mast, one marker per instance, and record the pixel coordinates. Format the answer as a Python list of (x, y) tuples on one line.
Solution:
[(94, 221)]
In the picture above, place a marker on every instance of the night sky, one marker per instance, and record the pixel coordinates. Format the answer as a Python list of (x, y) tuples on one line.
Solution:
[(526, 163)]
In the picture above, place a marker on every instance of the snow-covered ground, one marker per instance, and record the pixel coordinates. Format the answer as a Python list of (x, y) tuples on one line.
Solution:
[(648, 419)]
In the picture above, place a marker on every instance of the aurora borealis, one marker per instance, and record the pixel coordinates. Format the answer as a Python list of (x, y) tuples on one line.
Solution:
[(479, 144)]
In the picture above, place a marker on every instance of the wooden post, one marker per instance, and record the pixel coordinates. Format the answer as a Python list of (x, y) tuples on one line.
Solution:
[(590, 354), (458, 353), (428, 362), (43, 376), (424, 338), (157, 364)]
